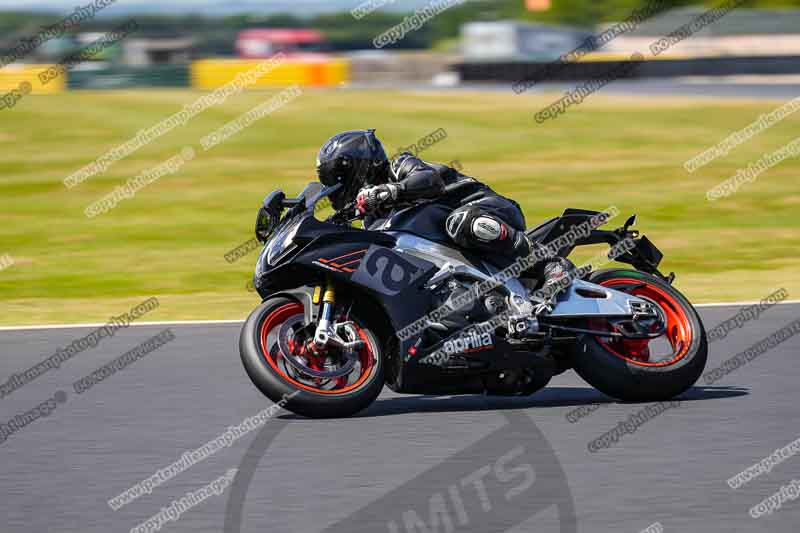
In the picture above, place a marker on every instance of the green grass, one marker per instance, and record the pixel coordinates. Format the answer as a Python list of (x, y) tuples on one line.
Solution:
[(169, 240)]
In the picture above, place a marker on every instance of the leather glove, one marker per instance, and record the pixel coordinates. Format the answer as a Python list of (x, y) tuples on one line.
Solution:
[(371, 199)]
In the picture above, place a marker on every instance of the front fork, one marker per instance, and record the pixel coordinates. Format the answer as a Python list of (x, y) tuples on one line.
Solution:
[(327, 332), (324, 330)]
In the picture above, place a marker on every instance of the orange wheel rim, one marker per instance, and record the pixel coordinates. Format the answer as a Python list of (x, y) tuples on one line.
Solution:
[(283, 313), (678, 330)]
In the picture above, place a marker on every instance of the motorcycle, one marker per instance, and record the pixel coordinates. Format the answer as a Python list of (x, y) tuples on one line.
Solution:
[(346, 310)]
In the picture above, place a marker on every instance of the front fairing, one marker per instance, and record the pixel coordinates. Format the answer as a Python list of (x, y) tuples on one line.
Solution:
[(292, 238), (282, 243)]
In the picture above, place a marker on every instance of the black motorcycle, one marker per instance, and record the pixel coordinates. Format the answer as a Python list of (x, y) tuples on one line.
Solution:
[(345, 310)]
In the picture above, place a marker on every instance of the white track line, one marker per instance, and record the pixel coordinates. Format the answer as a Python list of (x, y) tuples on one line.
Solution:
[(98, 325), (215, 322), (742, 304)]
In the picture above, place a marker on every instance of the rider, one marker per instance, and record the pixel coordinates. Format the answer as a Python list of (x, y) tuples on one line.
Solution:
[(481, 220)]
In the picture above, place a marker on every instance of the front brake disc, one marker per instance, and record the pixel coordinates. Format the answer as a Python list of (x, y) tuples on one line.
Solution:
[(286, 333)]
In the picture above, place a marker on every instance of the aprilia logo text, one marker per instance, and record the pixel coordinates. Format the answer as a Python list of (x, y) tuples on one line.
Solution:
[(472, 342)]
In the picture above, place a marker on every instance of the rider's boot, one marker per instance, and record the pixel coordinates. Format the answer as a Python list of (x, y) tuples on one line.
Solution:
[(556, 274)]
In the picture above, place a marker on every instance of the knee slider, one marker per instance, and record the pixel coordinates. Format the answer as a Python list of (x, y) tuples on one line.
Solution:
[(475, 228), (486, 228), (474, 224)]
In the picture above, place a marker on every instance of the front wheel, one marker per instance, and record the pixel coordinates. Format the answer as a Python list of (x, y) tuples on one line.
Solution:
[(273, 346), (644, 370)]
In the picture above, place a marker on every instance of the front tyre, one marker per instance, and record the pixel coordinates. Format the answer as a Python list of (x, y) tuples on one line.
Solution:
[(631, 370), (266, 364)]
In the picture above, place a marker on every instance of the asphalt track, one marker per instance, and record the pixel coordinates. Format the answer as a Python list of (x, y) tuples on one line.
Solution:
[(404, 455)]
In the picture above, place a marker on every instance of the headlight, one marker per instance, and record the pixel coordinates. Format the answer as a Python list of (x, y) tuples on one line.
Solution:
[(276, 246), (282, 241)]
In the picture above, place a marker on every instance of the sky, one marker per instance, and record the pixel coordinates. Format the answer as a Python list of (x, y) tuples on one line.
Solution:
[(209, 7)]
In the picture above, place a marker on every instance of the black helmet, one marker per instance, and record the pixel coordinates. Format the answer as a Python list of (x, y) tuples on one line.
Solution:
[(354, 159)]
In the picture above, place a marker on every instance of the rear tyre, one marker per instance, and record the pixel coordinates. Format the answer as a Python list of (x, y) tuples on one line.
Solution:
[(624, 369), (267, 368)]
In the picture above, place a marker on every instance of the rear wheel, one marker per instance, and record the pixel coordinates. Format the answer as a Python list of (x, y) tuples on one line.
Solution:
[(644, 370), (274, 347)]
